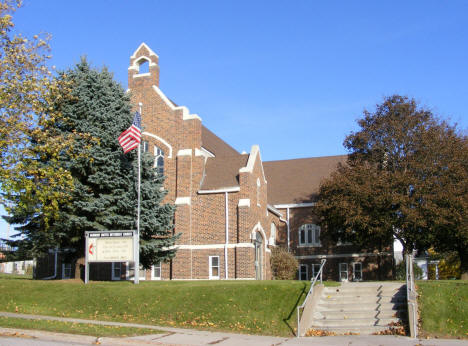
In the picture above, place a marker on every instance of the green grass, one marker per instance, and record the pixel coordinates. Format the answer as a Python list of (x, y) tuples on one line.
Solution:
[(74, 328), (443, 307), (255, 307)]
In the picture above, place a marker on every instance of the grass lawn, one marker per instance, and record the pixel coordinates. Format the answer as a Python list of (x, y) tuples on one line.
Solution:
[(254, 307), (443, 306), (74, 328)]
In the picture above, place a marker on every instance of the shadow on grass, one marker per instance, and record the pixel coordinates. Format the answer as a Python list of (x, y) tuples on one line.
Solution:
[(294, 309)]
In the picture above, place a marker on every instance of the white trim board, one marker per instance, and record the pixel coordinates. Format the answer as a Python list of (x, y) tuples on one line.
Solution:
[(214, 246), (223, 190), (351, 255), (185, 112), (294, 205)]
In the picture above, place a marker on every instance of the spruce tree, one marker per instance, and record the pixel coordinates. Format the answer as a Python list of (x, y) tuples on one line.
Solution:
[(104, 179)]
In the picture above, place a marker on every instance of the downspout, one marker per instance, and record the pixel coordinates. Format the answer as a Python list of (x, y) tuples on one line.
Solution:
[(226, 212), (55, 267)]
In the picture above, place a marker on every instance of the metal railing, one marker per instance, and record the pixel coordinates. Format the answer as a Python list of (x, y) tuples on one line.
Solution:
[(311, 291), (411, 297)]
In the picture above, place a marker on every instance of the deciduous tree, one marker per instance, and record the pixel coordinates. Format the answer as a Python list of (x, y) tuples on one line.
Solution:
[(406, 177)]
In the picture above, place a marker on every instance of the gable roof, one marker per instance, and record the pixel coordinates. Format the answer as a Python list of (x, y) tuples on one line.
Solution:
[(298, 180), (222, 171), (216, 145)]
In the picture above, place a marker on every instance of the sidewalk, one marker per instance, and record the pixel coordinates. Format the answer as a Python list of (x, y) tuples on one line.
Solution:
[(178, 336)]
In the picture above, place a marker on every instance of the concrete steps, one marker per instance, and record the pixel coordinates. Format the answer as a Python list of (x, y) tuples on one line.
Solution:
[(360, 308)]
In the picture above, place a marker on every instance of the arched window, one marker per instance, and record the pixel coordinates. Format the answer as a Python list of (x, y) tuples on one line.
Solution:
[(272, 234), (309, 235), (159, 160), (143, 66)]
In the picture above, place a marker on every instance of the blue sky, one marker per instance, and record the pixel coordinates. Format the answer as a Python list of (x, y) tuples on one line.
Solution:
[(291, 76)]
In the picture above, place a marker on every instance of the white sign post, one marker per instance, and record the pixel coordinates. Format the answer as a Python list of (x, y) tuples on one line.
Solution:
[(109, 246)]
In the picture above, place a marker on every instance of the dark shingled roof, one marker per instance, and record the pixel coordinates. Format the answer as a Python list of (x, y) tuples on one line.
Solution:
[(216, 145), (298, 181), (223, 171)]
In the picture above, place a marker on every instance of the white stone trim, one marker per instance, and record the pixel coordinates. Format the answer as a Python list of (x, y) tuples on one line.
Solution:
[(183, 200), (258, 227), (294, 205), (274, 210), (214, 246), (244, 202), (223, 190), (184, 152), (208, 153), (351, 255), (185, 111), (254, 152), (143, 44), (142, 75), (161, 140)]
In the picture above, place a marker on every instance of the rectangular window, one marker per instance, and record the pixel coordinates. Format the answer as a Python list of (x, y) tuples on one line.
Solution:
[(144, 146), (357, 271), (131, 272), (156, 272), (66, 270), (303, 272), (343, 271), (116, 271), (214, 267), (315, 269), (309, 235)]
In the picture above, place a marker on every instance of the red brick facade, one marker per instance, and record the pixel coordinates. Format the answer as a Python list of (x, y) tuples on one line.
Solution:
[(233, 207)]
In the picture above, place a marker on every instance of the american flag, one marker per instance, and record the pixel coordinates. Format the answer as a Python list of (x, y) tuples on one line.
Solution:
[(131, 137)]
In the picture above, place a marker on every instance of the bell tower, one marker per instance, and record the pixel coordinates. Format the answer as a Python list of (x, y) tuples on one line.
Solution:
[(144, 69)]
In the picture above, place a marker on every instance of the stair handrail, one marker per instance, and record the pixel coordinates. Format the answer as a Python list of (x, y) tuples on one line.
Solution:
[(411, 296), (311, 290)]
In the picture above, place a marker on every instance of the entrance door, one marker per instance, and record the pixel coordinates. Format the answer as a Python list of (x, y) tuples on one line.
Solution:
[(357, 271), (258, 257), (343, 271)]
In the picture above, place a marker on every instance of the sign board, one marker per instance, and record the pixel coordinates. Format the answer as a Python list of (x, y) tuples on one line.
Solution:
[(113, 246)]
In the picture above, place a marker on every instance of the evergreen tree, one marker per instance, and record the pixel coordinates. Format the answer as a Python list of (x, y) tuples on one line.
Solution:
[(104, 179)]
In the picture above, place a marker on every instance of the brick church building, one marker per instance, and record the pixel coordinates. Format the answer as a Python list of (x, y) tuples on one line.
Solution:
[(233, 208)]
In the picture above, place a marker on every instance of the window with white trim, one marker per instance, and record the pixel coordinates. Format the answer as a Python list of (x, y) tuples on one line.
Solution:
[(272, 234), (309, 235), (143, 66), (303, 272), (116, 270), (214, 267), (159, 160), (156, 271), (315, 268), (66, 270), (144, 146)]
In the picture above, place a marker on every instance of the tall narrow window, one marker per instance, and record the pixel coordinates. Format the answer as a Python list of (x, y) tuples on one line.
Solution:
[(156, 272), (272, 234), (159, 160), (144, 146), (66, 270), (303, 272), (315, 269), (116, 270), (309, 235), (258, 191), (214, 267)]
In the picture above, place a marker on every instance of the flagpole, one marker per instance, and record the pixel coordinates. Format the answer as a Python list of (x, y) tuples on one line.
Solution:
[(137, 241)]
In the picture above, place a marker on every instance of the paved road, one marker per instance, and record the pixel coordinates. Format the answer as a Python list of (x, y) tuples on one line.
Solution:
[(177, 336)]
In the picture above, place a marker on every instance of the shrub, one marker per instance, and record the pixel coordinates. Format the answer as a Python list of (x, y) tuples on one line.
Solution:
[(283, 264)]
